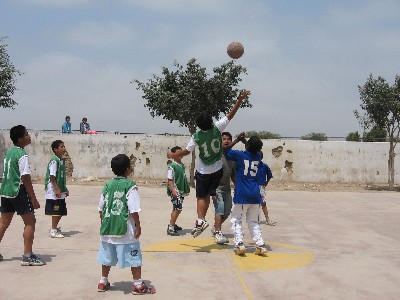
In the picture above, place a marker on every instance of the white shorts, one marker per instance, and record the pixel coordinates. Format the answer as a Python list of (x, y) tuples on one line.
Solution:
[(127, 255)]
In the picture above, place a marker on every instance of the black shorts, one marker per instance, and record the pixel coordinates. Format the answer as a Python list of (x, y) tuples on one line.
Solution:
[(177, 202), (56, 207), (21, 203), (206, 184)]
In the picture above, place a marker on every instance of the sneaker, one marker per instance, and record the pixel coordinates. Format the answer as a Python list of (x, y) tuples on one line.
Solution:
[(261, 250), (213, 230), (270, 222), (198, 229), (142, 289), (240, 249), (32, 260), (56, 234), (102, 287), (176, 227), (220, 238), (171, 230)]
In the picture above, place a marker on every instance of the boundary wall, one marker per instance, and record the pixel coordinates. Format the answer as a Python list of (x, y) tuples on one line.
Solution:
[(289, 160)]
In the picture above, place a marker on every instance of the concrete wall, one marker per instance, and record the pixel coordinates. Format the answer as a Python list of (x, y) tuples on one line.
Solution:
[(290, 160)]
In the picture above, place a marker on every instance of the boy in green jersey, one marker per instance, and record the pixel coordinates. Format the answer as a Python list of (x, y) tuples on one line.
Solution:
[(119, 208), (56, 188), (17, 193), (177, 189), (209, 166)]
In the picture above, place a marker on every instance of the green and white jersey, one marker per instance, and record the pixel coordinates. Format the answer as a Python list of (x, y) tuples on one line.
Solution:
[(176, 172), (114, 204), (210, 147), (56, 168), (16, 164)]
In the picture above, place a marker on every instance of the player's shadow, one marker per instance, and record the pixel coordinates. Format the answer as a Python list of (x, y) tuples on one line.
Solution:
[(209, 248), (126, 286), (184, 232), (71, 233), (45, 257)]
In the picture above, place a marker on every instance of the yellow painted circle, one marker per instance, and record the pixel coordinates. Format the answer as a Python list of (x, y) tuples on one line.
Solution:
[(280, 257)]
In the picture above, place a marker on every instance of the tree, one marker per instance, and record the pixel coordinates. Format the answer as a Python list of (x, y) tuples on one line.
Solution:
[(380, 104), (8, 75), (181, 94), (313, 136), (263, 134), (353, 137), (376, 134)]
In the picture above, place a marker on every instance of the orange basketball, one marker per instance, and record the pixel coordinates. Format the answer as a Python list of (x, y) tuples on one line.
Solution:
[(235, 50)]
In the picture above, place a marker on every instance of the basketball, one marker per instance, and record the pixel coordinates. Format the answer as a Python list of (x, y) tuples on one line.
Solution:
[(235, 50)]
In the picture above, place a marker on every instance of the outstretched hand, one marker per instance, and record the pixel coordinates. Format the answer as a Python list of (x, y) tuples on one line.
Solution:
[(244, 94)]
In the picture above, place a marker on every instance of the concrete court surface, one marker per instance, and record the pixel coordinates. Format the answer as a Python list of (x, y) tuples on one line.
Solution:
[(326, 245)]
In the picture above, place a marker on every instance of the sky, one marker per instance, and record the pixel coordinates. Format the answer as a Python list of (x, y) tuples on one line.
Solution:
[(304, 59)]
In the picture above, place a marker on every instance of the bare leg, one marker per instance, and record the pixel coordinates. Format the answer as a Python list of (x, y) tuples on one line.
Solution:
[(5, 221), (218, 222), (105, 270), (202, 207), (29, 231), (54, 221), (174, 216), (136, 273)]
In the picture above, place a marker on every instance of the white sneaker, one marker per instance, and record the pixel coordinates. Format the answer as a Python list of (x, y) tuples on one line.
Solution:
[(198, 229), (220, 238), (55, 233), (261, 250), (240, 249), (270, 222)]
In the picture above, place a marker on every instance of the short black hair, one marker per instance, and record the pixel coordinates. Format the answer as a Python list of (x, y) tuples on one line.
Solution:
[(56, 144), (227, 134), (67, 117), (16, 133), (254, 144), (119, 164), (174, 149), (204, 121)]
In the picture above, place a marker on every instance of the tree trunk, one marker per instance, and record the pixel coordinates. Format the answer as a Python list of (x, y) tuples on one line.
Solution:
[(391, 163)]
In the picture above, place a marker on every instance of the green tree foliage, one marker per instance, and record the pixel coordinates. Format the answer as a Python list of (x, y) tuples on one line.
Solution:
[(380, 104), (8, 75), (181, 94), (353, 137), (263, 134), (376, 134), (313, 136)]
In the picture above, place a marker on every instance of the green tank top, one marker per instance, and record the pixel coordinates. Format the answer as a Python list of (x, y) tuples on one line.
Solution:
[(61, 179), (115, 210), (11, 174), (209, 142), (180, 180)]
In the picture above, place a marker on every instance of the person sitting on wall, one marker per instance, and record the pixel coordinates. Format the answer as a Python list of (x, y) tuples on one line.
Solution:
[(85, 127)]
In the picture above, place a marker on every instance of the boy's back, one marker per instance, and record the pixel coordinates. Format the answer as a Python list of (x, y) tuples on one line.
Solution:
[(247, 190)]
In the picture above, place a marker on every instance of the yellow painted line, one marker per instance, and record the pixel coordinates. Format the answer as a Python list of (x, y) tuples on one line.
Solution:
[(282, 257), (242, 281)]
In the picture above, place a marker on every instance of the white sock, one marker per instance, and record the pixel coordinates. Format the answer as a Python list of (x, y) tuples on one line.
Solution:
[(28, 254), (137, 282), (104, 279)]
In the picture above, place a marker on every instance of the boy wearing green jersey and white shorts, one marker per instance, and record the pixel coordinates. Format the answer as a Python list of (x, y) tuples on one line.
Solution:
[(18, 195), (119, 208), (209, 166), (56, 188)]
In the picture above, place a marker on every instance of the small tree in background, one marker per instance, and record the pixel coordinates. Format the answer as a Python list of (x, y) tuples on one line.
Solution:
[(182, 94), (380, 103), (376, 134), (353, 137), (313, 136), (8, 74), (263, 134)]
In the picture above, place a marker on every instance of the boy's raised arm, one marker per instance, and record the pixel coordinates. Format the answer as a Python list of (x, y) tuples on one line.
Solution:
[(243, 95)]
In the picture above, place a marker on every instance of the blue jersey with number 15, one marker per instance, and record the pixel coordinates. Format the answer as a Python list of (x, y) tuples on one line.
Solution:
[(247, 187)]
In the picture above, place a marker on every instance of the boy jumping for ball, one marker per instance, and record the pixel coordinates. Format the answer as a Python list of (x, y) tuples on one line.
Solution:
[(209, 168)]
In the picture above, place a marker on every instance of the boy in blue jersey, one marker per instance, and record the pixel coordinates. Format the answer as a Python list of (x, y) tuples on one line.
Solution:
[(209, 167), (18, 195), (247, 198)]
